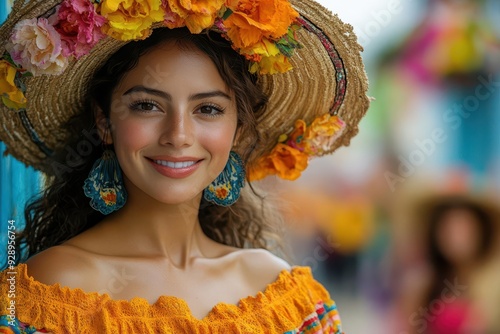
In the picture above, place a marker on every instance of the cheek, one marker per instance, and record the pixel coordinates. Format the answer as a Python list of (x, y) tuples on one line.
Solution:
[(131, 134), (217, 137), (218, 141)]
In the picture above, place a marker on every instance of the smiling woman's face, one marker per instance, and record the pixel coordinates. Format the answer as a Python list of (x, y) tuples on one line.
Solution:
[(179, 125)]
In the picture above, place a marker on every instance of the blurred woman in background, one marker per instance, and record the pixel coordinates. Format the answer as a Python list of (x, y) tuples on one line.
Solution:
[(456, 294)]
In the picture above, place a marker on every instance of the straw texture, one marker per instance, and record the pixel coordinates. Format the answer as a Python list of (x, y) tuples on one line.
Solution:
[(306, 92)]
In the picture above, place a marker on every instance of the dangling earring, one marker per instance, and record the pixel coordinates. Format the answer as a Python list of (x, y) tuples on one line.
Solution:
[(225, 189), (104, 185)]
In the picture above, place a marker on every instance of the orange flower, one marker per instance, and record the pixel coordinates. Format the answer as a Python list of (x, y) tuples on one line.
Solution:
[(195, 14), (284, 161), (172, 19), (253, 20), (322, 133)]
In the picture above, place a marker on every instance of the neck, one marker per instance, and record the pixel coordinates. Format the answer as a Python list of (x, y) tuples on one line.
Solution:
[(145, 227)]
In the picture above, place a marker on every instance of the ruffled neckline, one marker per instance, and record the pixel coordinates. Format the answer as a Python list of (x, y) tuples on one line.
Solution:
[(286, 284)]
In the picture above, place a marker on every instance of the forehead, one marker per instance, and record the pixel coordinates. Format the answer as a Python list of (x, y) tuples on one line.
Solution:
[(173, 65)]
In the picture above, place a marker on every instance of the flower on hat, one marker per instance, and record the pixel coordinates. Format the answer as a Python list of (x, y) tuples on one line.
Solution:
[(289, 158), (296, 137), (271, 65), (284, 161), (322, 132), (266, 58), (172, 18), (130, 19), (262, 31), (36, 46), (196, 15), (271, 56), (253, 20), (79, 26), (12, 96)]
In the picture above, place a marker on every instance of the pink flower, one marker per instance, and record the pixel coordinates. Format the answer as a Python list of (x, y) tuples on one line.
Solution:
[(36, 46), (79, 26)]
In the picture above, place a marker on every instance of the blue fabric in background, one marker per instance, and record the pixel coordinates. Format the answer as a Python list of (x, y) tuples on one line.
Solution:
[(17, 182), (4, 9), (476, 139)]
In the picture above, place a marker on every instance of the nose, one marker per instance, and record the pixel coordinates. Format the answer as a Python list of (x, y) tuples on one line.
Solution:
[(177, 129)]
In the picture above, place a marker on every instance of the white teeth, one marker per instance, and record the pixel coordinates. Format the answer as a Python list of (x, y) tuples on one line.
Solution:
[(182, 164)]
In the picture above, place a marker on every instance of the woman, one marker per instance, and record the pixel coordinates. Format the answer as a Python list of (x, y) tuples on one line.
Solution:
[(460, 236), (145, 225)]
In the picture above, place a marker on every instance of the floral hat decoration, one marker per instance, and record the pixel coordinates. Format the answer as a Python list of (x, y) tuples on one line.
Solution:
[(307, 61)]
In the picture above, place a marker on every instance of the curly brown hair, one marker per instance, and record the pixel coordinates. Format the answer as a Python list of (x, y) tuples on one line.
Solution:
[(62, 211)]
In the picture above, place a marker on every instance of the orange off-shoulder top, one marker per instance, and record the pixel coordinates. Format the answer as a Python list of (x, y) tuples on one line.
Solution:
[(294, 303)]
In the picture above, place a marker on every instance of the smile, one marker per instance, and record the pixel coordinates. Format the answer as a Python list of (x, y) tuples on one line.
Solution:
[(171, 164), (176, 169)]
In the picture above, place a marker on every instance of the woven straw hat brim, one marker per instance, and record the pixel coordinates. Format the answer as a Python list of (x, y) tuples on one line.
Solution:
[(426, 204), (328, 76)]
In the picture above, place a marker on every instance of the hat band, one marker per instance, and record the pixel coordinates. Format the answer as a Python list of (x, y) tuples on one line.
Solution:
[(338, 64), (35, 138)]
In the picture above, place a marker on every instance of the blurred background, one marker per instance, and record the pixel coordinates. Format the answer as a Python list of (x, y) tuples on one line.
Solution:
[(402, 226)]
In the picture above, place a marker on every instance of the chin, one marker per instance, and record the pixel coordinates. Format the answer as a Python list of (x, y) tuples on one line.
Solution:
[(187, 197)]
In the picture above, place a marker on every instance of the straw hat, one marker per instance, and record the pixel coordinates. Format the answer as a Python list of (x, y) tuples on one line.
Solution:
[(328, 77)]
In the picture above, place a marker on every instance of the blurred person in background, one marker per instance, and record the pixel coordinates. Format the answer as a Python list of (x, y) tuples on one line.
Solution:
[(442, 78), (456, 291)]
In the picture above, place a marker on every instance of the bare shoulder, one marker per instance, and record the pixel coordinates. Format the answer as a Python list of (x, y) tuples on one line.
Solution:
[(264, 260), (62, 264), (261, 267)]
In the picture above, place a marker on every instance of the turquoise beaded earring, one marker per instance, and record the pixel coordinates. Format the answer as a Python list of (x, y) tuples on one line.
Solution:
[(104, 185), (225, 189)]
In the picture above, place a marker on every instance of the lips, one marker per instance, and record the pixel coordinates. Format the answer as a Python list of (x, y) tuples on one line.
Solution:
[(175, 167), (171, 164)]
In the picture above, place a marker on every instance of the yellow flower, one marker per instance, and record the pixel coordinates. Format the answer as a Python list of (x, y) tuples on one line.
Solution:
[(130, 19), (263, 48), (284, 161), (322, 133), (12, 96), (195, 14), (271, 65), (253, 20), (266, 58)]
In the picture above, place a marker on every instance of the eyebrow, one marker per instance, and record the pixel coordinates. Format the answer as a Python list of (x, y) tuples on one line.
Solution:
[(168, 97)]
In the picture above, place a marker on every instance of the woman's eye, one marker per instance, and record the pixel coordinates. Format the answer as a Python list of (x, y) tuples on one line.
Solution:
[(210, 110), (145, 106)]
